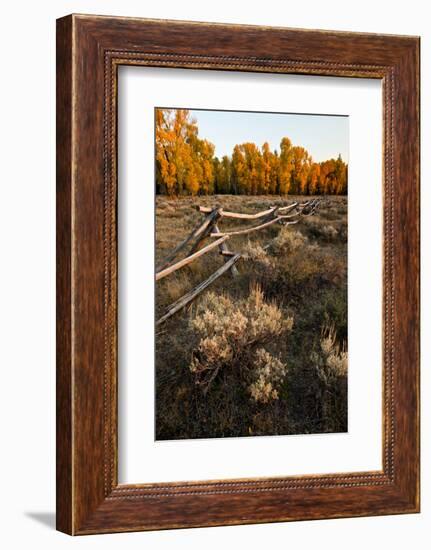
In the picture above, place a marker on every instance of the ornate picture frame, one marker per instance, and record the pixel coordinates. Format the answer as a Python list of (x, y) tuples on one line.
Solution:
[(89, 51)]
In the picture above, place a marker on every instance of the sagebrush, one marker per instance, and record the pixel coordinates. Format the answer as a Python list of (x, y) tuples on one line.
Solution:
[(264, 352), (232, 339)]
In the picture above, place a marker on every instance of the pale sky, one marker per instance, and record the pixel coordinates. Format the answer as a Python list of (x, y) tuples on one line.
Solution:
[(324, 136)]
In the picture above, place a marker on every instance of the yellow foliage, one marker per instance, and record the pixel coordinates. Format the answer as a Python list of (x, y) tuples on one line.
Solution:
[(185, 164)]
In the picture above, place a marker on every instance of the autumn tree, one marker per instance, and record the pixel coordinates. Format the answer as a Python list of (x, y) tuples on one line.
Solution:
[(340, 173), (286, 166), (301, 161), (253, 168), (313, 178), (239, 170), (185, 164), (274, 183), (204, 152), (266, 170), (223, 175), (183, 161), (166, 170)]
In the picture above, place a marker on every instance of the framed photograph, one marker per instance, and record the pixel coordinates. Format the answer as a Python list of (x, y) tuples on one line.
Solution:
[(237, 274)]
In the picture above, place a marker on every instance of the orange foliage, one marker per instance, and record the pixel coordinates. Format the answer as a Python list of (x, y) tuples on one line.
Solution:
[(185, 164)]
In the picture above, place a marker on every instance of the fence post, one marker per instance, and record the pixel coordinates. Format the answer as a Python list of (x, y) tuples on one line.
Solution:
[(223, 248), (212, 217), (200, 232)]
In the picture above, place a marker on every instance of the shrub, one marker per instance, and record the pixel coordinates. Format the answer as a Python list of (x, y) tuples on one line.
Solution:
[(287, 241), (269, 372), (329, 232), (328, 214), (255, 253), (303, 273), (317, 230), (231, 338), (331, 361)]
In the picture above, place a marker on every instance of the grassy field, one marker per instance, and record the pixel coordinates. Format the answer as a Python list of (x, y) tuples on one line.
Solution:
[(263, 353)]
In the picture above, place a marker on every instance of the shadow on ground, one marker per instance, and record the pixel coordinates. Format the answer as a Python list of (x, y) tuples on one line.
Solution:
[(45, 518)]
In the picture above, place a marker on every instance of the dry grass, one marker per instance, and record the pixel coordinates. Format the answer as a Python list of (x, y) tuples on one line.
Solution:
[(260, 388)]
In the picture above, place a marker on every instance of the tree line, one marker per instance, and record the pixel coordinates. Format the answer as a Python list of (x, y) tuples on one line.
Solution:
[(186, 165)]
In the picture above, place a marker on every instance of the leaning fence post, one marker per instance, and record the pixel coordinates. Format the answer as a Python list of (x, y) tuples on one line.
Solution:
[(199, 232), (211, 219), (224, 249)]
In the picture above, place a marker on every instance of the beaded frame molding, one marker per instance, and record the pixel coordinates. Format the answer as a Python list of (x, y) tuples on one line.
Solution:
[(89, 51)]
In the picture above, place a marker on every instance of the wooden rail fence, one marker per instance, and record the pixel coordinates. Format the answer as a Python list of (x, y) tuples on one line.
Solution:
[(208, 229)]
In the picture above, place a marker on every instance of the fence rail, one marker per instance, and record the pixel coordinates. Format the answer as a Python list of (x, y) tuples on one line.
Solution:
[(208, 228), (191, 258)]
